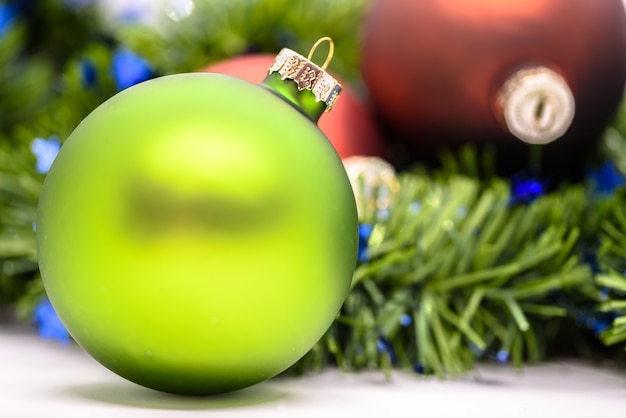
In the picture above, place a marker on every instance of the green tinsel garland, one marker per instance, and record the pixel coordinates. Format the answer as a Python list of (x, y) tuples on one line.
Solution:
[(458, 271)]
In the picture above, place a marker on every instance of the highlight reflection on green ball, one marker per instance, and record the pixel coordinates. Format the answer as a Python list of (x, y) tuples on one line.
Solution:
[(197, 234)]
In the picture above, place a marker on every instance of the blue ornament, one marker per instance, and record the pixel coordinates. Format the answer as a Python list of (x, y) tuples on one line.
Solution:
[(605, 180), (50, 326), (365, 231), (7, 18), (129, 69), (46, 151)]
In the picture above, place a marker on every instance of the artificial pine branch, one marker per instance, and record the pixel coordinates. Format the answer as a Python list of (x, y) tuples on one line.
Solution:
[(459, 272), (24, 82), (612, 282), (19, 190), (218, 30)]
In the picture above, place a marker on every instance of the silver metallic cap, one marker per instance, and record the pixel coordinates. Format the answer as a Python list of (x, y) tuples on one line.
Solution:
[(307, 75)]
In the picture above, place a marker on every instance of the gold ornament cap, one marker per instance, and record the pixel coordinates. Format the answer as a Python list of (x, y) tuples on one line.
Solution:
[(307, 75), (375, 186), (537, 105)]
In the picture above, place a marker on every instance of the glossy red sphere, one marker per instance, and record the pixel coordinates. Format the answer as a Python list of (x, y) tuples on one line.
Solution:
[(433, 68)]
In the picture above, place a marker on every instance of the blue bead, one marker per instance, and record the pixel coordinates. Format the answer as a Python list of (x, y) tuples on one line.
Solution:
[(45, 150), (129, 69), (600, 322), (406, 320), (600, 326), (384, 346), (381, 345), (419, 368), (88, 73), (526, 191), (415, 207), (603, 293), (502, 356), (365, 231), (50, 326), (605, 180)]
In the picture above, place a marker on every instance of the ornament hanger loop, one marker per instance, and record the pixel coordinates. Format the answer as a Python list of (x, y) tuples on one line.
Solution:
[(331, 50)]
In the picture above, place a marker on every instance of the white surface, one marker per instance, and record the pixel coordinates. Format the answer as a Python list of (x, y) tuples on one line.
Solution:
[(43, 379)]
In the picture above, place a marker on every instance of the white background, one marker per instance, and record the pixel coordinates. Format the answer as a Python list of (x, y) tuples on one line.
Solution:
[(40, 379)]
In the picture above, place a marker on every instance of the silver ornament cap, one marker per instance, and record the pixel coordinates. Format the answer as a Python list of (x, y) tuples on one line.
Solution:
[(308, 75), (537, 105)]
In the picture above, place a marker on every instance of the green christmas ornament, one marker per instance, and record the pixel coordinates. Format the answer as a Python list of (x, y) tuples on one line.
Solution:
[(197, 234)]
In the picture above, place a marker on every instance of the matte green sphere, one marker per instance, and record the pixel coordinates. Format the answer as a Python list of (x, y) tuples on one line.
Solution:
[(197, 234)]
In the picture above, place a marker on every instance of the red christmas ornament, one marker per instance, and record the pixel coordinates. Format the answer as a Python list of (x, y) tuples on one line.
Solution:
[(349, 127), (497, 72)]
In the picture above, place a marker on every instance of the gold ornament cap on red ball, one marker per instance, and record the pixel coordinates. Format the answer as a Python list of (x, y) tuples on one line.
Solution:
[(308, 75), (536, 104)]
